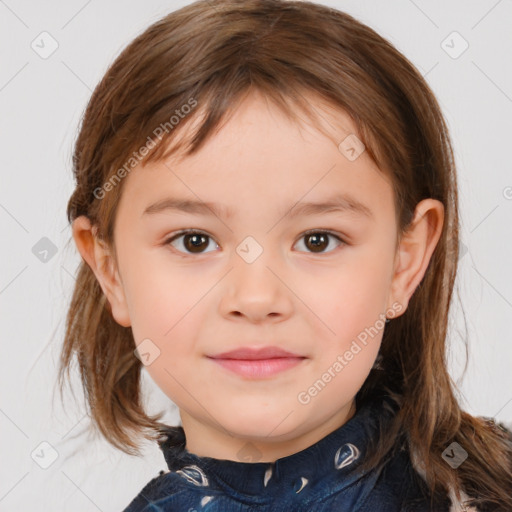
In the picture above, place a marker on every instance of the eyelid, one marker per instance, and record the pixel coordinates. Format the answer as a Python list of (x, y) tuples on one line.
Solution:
[(321, 230), (176, 234), (187, 231), (342, 239), (307, 232)]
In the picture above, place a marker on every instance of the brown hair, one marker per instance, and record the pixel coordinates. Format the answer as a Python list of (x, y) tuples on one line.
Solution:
[(215, 54)]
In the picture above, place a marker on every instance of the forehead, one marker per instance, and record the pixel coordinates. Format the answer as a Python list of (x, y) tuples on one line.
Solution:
[(258, 157), (258, 110)]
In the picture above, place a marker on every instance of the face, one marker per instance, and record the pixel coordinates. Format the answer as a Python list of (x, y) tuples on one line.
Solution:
[(263, 270)]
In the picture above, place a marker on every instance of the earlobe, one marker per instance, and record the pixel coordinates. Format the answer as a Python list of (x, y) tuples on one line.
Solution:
[(416, 248), (99, 258)]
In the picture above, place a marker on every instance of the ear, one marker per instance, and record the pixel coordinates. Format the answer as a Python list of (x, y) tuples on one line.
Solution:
[(98, 256), (415, 250)]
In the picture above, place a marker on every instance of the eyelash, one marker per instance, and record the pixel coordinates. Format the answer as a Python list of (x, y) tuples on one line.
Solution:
[(179, 234)]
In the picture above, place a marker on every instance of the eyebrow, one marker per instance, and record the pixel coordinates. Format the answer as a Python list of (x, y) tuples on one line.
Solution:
[(340, 203)]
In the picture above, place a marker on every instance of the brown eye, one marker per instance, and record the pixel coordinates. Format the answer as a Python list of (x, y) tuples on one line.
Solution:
[(194, 242), (318, 241)]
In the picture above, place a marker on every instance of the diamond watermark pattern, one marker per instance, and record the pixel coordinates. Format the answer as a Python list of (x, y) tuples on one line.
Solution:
[(248, 453), (44, 455), (146, 351), (455, 455), (249, 249), (45, 45), (44, 250), (351, 147), (454, 45)]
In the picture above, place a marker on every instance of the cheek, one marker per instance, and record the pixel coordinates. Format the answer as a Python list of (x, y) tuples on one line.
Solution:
[(162, 302), (351, 298), (156, 289), (165, 309), (351, 305)]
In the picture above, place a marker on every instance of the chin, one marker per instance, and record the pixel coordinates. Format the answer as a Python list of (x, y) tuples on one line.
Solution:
[(267, 429)]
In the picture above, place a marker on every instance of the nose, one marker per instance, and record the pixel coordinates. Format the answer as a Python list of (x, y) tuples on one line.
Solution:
[(255, 290)]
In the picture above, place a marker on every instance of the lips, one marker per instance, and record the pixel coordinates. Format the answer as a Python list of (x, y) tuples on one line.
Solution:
[(247, 353), (257, 363)]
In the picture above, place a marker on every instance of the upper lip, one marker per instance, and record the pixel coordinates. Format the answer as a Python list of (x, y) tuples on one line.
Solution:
[(255, 353)]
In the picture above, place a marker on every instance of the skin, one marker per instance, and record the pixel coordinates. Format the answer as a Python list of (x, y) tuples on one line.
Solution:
[(315, 304)]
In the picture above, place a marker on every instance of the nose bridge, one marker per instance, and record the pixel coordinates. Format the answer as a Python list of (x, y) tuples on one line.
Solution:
[(250, 250), (251, 261), (253, 287)]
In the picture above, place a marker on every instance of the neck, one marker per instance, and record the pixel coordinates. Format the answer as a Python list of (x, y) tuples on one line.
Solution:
[(207, 440)]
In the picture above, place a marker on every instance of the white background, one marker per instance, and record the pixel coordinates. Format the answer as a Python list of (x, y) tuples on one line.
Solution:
[(41, 102)]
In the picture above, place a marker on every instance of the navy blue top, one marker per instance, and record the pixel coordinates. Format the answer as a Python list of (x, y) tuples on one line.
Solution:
[(324, 477)]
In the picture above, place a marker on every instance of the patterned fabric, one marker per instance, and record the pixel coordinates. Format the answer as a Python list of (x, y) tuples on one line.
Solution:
[(324, 477)]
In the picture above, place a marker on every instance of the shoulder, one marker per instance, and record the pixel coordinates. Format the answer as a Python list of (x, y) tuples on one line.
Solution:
[(455, 504), (397, 486), (413, 488), (158, 495)]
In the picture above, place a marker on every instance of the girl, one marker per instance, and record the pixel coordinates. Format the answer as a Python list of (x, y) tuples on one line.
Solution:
[(266, 207)]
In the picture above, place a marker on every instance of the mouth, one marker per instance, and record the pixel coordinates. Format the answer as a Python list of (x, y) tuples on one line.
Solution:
[(257, 363)]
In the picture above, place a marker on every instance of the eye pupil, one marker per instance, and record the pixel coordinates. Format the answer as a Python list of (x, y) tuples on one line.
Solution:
[(197, 242), (317, 244), (193, 239)]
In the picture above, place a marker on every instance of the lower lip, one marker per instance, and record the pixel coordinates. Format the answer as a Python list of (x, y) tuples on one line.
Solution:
[(259, 368)]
